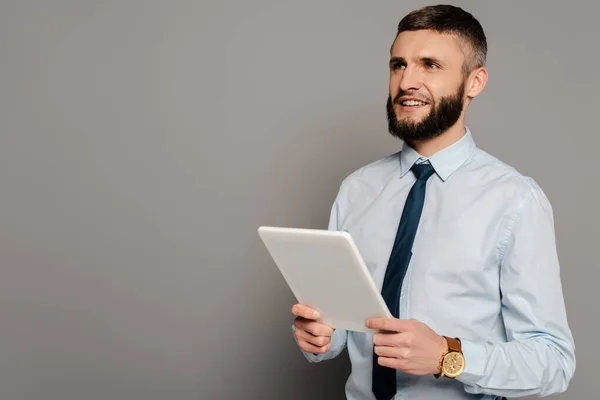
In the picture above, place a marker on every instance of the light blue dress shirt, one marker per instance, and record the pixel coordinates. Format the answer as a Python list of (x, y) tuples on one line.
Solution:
[(484, 269)]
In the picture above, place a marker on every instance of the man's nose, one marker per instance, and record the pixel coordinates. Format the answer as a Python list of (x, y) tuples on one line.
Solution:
[(411, 79)]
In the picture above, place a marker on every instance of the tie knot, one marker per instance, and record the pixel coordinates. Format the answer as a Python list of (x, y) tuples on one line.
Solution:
[(422, 171)]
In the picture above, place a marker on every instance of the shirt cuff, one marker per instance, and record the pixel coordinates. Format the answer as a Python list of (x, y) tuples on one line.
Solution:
[(475, 359)]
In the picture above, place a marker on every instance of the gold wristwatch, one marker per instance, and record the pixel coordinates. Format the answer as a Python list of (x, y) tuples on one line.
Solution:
[(452, 362)]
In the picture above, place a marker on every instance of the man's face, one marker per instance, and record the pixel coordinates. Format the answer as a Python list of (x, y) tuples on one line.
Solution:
[(427, 85)]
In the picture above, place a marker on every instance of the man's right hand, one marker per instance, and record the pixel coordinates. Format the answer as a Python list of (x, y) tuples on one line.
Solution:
[(312, 336)]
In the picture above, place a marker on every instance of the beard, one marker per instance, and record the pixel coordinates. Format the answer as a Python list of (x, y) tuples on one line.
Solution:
[(443, 115)]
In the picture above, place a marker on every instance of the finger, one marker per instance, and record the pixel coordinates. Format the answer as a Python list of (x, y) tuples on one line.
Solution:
[(385, 339), (393, 339), (388, 324), (303, 311), (311, 348), (318, 341), (392, 352), (394, 363), (316, 328)]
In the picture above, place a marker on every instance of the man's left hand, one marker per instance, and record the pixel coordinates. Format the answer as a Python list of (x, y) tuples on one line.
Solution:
[(407, 345)]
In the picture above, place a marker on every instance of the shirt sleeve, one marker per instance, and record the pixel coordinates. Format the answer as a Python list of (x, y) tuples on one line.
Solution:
[(539, 355), (339, 336)]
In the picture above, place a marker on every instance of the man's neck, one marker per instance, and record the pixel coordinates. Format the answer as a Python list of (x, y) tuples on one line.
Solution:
[(429, 147)]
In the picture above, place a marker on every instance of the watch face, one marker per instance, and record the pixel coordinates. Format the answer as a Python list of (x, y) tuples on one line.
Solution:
[(454, 364)]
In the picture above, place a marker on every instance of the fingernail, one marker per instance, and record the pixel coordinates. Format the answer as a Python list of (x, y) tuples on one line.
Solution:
[(315, 314)]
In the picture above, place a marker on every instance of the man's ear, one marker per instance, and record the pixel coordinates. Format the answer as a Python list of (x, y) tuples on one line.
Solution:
[(476, 82)]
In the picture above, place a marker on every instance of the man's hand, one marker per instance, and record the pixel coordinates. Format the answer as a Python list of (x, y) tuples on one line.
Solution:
[(312, 336), (407, 345)]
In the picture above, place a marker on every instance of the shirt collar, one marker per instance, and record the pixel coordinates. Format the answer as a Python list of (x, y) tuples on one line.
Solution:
[(445, 161)]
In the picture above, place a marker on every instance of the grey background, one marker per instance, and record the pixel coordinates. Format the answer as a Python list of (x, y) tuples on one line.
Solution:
[(143, 142)]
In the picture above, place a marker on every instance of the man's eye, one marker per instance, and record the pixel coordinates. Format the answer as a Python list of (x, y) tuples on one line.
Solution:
[(431, 65), (398, 66)]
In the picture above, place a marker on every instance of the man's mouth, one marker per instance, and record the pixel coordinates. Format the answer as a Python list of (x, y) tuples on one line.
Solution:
[(411, 104)]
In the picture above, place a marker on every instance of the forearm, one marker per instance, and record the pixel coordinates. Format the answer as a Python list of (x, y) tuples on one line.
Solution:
[(338, 343), (540, 366)]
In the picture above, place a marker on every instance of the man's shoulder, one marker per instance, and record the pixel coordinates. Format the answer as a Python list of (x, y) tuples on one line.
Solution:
[(502, 176), (374, 173)]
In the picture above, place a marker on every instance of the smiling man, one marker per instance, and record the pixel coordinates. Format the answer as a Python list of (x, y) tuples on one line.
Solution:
[(461, 245)]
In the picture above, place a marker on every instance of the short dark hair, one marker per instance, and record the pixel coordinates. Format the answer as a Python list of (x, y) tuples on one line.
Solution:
[(450, 19)]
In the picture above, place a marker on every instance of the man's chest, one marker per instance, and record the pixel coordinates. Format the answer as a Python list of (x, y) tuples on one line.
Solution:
[(457, 238)]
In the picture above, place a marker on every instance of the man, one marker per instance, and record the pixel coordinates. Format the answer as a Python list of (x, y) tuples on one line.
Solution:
[(475, 291)]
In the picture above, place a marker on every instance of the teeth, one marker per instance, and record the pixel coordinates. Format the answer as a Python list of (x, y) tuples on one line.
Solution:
[(412, 103)]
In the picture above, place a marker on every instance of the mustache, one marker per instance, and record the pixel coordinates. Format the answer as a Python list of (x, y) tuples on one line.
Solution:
[(402, 93)]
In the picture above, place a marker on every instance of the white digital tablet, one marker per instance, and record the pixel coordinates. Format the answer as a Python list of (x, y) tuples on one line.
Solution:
[(325, 270)]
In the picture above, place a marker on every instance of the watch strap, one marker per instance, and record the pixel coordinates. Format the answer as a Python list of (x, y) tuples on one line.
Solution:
[(453, 344)]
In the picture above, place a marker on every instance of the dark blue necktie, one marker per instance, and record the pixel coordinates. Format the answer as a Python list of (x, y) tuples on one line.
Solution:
[(384, 379)]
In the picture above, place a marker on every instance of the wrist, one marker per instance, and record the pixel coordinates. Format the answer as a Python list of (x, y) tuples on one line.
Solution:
[(443, 345), (443, 350)]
